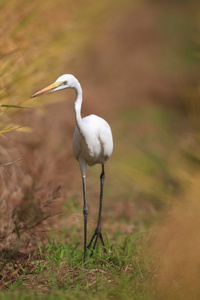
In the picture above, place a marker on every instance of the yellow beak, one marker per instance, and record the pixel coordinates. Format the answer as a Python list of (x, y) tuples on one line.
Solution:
[(47, 89)]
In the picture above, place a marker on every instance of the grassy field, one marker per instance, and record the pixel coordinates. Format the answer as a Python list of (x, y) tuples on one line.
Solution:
[(138, 64), (57, 270)]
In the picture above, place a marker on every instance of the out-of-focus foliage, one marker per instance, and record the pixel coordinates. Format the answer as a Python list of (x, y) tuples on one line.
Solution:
[(36, 38), (140, 60), (177, 245)]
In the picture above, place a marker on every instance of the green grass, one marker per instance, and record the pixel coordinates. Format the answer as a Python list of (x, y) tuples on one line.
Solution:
[(125, 270), (56, 271)]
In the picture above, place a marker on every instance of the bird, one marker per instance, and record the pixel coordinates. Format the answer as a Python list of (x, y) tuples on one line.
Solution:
[(92, 144)]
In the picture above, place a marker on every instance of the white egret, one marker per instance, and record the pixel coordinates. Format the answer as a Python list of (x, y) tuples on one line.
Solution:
[(92, 144)]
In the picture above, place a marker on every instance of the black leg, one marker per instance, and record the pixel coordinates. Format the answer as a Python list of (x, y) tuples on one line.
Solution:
[(97, 234), (85, 214)]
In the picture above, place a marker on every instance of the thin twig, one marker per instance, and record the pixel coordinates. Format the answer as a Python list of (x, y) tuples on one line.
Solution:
[(12, 162)]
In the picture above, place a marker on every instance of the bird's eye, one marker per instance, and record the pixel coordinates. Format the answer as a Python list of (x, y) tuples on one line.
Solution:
[(64, 82)]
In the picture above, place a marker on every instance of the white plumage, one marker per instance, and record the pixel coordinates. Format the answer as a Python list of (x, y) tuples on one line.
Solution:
[(92, 144)]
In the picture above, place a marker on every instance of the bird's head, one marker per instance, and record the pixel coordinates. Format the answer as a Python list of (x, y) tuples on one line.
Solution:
[(63, 82)]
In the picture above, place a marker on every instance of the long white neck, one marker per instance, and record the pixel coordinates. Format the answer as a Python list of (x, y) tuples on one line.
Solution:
[(77, 107)]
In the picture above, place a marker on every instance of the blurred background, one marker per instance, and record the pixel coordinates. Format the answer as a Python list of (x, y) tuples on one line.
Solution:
[(138, 64)]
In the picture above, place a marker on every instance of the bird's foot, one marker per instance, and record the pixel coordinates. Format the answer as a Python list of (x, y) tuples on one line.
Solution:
[(97, 235)]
